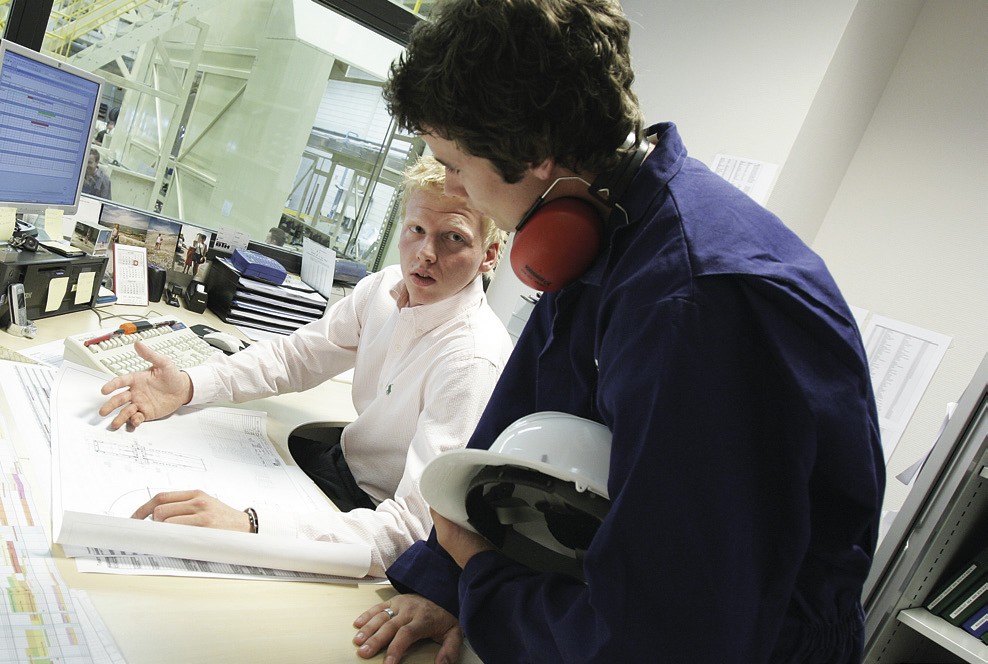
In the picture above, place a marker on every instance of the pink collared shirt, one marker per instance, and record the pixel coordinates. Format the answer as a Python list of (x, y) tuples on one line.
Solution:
[(422, 377)]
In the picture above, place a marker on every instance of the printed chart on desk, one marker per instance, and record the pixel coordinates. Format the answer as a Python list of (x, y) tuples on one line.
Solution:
[(27, 390), (41, 619)]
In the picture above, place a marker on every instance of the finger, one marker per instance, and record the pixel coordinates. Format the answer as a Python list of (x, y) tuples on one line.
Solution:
[(149, 508), (126, 413), (168, 504), (154, 357), (166, 497), (144, 510), (449, 649), (111, 405), (403, 639), (170, 512), (377, 632), (370, 613), (184, 520), (114, 402), (114, 384), (137, 419)]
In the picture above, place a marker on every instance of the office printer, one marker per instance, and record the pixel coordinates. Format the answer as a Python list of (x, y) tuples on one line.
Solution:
[(53, 284)]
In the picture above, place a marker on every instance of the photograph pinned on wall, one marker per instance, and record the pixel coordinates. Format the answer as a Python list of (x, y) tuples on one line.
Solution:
[(190, 252), (162, 242), (128, 227), (91, 237)]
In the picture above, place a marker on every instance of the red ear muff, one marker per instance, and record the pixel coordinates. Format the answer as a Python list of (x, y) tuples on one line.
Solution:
[(556, 244)]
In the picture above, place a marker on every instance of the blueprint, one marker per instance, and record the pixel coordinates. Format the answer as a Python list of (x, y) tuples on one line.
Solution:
[(101, 476)]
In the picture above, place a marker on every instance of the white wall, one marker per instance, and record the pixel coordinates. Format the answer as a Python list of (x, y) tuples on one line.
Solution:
[(842, 108), (736, 78), (876, 112), (906, 235), (348, 106)]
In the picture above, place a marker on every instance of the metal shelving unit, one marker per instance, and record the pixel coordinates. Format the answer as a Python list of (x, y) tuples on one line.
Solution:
[(941, 524), (945, 635)]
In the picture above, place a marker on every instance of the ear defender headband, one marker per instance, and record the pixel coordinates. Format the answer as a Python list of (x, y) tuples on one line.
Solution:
[(555, 242)]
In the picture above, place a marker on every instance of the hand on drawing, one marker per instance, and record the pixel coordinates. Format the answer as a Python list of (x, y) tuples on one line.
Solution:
[(147, 395), (403, 620), (193, 508)]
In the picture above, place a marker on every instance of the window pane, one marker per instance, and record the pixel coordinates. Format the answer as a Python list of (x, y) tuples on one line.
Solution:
[(421, 7), (247, 115)]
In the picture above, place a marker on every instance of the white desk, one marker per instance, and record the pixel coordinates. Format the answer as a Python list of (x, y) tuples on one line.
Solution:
[(169, 620)]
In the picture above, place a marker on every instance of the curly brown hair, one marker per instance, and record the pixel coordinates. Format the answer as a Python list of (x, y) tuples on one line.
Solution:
[(520, 81)]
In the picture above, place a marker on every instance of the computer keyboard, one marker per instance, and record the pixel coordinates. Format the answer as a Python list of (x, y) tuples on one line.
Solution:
[(112, 351)]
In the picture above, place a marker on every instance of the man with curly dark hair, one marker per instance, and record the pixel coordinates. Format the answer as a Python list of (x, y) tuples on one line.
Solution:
[(746, 472)]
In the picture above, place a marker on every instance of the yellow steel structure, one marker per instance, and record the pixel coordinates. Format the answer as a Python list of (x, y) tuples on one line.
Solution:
[(416, 6), (73, 19)]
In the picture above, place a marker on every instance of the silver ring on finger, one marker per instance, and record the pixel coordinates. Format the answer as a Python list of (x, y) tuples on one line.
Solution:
[(389, 611)]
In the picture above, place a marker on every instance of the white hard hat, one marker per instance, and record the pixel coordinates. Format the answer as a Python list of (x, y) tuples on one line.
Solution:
[(538, 494)]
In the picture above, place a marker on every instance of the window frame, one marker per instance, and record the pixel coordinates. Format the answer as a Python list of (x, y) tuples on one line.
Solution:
[(28, 20), (382, 16)]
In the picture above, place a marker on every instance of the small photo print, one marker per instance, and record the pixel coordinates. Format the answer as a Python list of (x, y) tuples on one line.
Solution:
[(190, 250)]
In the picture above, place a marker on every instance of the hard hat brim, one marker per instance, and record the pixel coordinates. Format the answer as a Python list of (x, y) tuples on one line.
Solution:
[(446, 478)]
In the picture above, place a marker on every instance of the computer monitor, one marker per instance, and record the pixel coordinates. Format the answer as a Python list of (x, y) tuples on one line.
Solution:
[(48, 112)]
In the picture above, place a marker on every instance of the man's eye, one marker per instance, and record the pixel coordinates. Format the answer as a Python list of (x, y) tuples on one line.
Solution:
[(456, 237)]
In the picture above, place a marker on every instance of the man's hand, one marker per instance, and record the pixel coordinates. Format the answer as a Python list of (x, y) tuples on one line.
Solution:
[(415, 618), (193, 508), (459, 542), (148, 395)]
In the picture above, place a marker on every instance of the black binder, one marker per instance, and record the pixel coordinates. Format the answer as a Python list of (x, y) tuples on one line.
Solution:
[(253, 302)]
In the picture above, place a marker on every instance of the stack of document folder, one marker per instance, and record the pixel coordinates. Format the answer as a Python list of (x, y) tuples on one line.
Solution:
[(252, 302)]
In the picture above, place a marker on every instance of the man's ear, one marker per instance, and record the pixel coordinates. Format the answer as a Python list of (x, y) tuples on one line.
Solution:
[(543, 170), (490, 257)]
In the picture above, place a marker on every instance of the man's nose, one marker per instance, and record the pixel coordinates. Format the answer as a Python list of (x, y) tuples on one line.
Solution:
[(453, 185), (427, 249)]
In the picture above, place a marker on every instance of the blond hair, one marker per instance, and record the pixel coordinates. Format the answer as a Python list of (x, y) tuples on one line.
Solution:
[(429, 175)]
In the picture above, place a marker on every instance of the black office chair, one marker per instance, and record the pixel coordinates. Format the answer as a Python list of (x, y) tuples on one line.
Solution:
[(316, 449)]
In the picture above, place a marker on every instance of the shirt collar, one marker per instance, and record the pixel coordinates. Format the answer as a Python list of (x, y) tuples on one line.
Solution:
[(427, 317), (660, 166)]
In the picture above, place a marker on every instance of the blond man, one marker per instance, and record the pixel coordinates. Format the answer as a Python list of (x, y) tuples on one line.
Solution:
[(426, 350)]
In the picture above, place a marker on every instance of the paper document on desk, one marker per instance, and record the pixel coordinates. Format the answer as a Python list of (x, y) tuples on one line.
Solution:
[(27, 390), (43, 619), (100, 477), (91, 560)]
